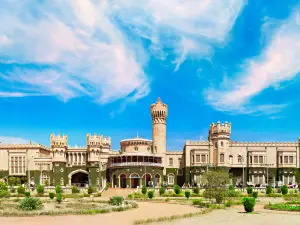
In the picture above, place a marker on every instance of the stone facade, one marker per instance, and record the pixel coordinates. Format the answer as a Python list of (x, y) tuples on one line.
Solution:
[(142, 161)]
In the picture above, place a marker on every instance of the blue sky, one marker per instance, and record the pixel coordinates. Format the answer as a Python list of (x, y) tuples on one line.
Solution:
[(95, 66)]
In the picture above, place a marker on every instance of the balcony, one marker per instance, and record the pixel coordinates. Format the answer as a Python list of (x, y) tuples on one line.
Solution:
[(129, 164), (287, 165)]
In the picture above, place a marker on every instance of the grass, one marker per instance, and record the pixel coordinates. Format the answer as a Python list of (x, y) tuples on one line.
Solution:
[(283, 207), (170, 218)]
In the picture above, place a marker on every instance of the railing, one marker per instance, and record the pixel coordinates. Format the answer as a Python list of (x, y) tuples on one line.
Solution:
[(135, 164)]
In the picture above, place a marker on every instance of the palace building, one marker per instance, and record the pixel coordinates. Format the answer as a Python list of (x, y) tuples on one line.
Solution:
[(141, 161)]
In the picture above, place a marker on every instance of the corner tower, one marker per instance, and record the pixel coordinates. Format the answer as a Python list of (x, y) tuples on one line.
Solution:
[(159, 113)]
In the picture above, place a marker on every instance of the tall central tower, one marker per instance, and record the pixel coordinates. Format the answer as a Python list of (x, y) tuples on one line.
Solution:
[(159, 113)]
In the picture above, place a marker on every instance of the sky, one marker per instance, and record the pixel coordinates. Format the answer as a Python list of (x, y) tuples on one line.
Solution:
[(94, 66)]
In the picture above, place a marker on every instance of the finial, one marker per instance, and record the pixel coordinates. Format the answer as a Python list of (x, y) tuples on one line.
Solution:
[(158, 100), (137, 134)]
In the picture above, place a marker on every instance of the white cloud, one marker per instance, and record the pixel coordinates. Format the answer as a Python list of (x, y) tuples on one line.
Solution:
[(278, 62), (12, 140)]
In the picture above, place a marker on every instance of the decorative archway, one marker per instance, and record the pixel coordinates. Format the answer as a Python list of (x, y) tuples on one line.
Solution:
[(123, 179), (147, 178), (79, 178), (134, 180)]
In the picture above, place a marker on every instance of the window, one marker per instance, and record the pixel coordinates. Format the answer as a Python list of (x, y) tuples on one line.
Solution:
[(256, 159), (171, 179), (216, 145), (170, 161), (286, 160), (222, 144), (197, 158), (136, 148), (291, 159), (261, 159), (221, 157), (17, 165), (203, 158), (230, 159), (240, 159), (179, 161), (44, 179)]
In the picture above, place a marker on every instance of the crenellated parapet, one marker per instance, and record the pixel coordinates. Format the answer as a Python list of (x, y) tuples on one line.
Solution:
[(58, 141), (159, 112), (219, 130), (263, 144), (97, 141)]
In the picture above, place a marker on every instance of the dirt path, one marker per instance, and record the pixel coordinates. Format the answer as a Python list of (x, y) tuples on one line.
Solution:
[(145, 210)]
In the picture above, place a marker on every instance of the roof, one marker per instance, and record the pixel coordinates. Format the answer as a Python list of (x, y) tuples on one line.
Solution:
[(136, 139)]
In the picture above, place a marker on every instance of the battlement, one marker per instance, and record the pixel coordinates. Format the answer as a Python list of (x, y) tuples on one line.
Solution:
[(97, 140), (220, 128), (159, 109), (58, 141)]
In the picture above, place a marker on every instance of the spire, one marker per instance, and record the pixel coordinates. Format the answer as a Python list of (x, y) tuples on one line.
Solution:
[(158, 100)]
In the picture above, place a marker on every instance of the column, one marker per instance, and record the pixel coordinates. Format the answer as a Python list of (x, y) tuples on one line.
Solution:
[(73, 154), (82, 159), (119, 181), (264, 179)]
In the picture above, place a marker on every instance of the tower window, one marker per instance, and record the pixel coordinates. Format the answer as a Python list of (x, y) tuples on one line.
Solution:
[(230, 159), (239, 159), (222, 144), (222, 157), (170, 161)]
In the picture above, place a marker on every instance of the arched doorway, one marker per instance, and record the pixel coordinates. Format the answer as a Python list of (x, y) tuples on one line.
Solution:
[(147, 179), (123, 181), (156, 180), (79, 178), (134, 180)]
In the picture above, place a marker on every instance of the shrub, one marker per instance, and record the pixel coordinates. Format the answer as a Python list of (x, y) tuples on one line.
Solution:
[(233, 193), (197, 201), (231, 187), (150, 194), (228, 203), (249, 204), (162, 190), (278, 190), (40, 189), (46, 183), (176, 189), (59, 197), (27, 194), (255, 194), (3, 186), (51, 195), (4, 194), (249, 190), (196, 190), (144, 189), (269, 190), (107, 185), (58, 189), (75, 190), (29, 204), (284, 189), (12, 189), (187, 194), (129, 196), (21, 190), (116, 200), (91, 190)]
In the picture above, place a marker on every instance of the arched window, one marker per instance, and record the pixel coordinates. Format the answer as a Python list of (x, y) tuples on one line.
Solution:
[(170, 161), (136, 148), (240, 159), (230, 159), (171, 179), (222, 144), (216, 145), (222, 157)]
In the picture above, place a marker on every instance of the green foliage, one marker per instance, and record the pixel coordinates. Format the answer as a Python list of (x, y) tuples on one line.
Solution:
[(4, 193), (196, 190), (249, 190), (284, 189), (283, 207), (144, 189), (3, 186), (29, 204), (187, 194), (40, 189), (107, 186), (116, 200), (21, 189), (176, 189), (269, 190), (46, 183), (91, 190), (14, 181), (12, 190), (278, 190), (75, 190), (59, 197), (51, 195), (58, 189), (197, 201), (233, 193), (27, 194), (162, 190), (255, 194), (130, 197), (150, 194), (231, 187), (249, 204), (229, 203)]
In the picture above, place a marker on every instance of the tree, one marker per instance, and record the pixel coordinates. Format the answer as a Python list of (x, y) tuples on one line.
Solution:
[(215, 185)]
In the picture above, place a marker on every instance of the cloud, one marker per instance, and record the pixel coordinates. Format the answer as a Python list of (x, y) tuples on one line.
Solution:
[(279, 62), (12, 140), (78, 51)]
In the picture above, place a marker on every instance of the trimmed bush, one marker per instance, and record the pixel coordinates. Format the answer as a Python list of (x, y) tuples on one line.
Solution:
[(284, 190), (196, 190), (58, 189), (116, 200), (130, 197), (51, 195), (187, 194), (255, 194), (249, 204), (144, 189), (176, 189), (269, 190), (59, 197), (40, 189), (27, 194), (21, 190), (162, 190), (150, 194), (29, 204), (249, 190), (75, 190), (91, 190)]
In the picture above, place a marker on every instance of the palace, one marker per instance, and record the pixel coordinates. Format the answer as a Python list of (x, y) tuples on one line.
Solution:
[(141, 161)]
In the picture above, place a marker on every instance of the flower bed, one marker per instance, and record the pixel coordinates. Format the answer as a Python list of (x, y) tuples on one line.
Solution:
[(283, 207)]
